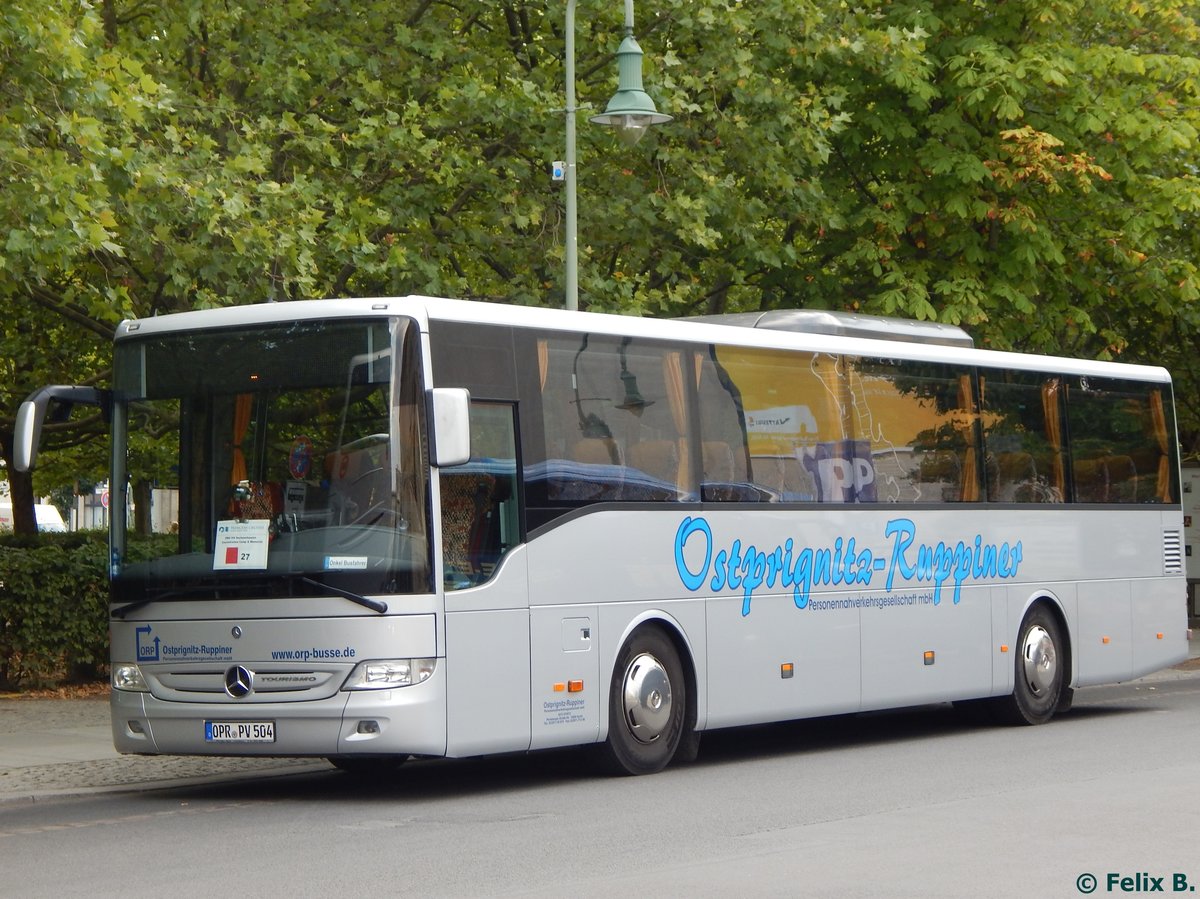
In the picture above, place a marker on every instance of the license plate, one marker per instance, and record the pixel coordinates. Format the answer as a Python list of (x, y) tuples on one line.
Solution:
[(239, 731)]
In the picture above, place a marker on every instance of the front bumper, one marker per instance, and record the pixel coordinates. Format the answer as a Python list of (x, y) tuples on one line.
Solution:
[(400, 721)]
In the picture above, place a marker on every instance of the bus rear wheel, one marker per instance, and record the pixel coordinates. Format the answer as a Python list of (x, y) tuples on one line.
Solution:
[(1039, 677), (647, 700)]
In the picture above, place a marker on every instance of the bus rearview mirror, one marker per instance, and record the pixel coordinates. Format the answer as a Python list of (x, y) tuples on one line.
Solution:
[(33, 412), (451, 425), (26, 435)]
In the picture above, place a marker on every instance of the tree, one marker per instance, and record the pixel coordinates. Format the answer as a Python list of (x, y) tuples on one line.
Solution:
[(1030, 177), (1023, 168), (1027, 169), (66, 107)]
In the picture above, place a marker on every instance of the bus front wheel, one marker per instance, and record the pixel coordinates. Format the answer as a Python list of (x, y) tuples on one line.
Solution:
[(1039, 676), (646, 704)]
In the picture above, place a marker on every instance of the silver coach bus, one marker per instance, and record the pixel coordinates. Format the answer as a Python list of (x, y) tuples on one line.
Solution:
[(427, 527)]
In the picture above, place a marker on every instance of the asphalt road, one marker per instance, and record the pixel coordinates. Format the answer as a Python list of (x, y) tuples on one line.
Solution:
[(914, 803)]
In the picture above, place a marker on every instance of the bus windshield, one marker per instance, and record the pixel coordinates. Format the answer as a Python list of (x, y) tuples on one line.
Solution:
[(278, 460)]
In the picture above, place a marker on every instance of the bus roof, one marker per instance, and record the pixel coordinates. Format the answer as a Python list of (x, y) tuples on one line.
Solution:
[(845, 324), (809, 330)]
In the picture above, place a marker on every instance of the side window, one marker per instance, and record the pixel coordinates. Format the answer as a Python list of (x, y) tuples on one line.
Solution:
[(614, 417), (802, 427), (724, 451), (1023, 437), (796, 417), (1120, 446), (836, 429), (914, 427), (480, 518)]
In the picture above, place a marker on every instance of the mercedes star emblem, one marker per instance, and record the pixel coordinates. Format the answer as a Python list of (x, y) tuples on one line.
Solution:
[(239, 680)]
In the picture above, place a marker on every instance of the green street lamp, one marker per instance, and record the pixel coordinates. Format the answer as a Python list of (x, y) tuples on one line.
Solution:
[(630, 111)]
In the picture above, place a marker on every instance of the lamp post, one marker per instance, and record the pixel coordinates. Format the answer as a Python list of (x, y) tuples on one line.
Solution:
[(630, 111)]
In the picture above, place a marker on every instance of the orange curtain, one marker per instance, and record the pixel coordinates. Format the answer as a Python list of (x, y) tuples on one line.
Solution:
[(1051, 391), (673, 377), (1159, 415), (970, 471), (543, 357), (677, 398), (241, 424)]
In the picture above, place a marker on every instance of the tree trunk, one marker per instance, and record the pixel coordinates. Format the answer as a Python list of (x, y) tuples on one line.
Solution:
[(142, 496), (108, 15), (20, 489)]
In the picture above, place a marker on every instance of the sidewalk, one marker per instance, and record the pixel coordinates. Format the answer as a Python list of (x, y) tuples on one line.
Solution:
[(52, 747)]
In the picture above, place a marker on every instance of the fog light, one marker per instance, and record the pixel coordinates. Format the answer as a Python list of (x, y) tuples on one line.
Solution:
[(368, 727)]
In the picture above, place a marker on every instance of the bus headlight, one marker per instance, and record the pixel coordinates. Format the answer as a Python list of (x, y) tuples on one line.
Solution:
[(384, 674), (129, 678)]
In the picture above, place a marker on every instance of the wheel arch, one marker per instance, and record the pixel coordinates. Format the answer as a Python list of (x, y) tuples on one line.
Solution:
[(672, 628), (1054, 605)]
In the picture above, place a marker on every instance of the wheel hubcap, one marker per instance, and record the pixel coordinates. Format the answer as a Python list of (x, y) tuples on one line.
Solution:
[(647, 698), (1041, 660)]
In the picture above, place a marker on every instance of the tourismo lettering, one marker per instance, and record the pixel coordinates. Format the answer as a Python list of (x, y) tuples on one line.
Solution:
[(747, 568)]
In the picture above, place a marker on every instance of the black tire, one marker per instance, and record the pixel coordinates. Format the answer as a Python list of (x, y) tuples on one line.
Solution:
[(688, 749), (368, 765), (1065, 698), (1039, 676), (647, 705)]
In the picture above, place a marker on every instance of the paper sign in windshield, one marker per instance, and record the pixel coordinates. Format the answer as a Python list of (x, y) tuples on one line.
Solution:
[(345, 563), (242, 544)]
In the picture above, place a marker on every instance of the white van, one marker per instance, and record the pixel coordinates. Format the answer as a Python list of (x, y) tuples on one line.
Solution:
[(48, 517)]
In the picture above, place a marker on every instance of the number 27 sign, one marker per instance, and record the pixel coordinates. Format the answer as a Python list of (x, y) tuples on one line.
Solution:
[(241, 544)]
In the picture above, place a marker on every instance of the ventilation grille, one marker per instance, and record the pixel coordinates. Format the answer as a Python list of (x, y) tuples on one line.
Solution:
[(1172, 552)]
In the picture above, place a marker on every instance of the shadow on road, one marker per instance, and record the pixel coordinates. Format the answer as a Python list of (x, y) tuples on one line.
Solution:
[(453, 779)]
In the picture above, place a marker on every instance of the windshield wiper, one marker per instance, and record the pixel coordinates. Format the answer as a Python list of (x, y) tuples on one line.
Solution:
[(375, 605), (122, 611)]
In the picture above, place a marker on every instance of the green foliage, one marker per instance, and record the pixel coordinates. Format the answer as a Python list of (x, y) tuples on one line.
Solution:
[(1008, 170), (71, 112), (54, 606), (53, 611), (1027, 169)]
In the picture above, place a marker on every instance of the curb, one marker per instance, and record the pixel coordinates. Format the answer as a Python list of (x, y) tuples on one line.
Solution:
[(33, 794)]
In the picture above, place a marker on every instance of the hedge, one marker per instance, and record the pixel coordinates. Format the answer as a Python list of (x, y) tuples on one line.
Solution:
[(53, 609)]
